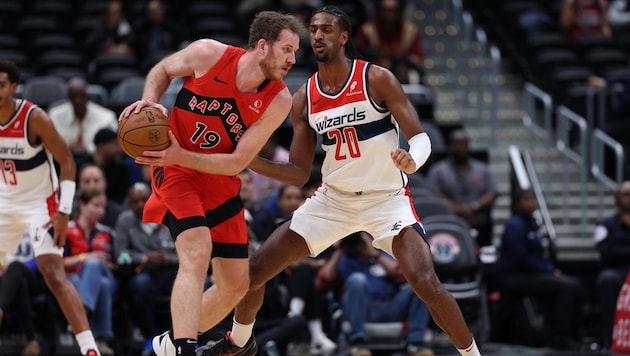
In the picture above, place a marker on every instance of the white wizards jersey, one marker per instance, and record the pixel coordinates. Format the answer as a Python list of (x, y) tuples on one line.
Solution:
[(357, 135), (28, 173)]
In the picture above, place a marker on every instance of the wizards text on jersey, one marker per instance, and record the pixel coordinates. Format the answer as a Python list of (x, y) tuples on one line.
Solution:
[(341, 120)]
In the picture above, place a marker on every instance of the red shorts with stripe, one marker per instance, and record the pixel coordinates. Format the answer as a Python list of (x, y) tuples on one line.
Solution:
[(188, 198)]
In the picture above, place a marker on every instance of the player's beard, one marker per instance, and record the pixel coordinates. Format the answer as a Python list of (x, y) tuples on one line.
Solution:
[(267, 67), (322, 58)]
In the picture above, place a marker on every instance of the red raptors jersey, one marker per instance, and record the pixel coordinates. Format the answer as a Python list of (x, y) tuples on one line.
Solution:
[(211, 114)]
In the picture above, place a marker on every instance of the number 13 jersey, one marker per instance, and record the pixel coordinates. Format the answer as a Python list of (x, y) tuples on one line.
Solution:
[(28, 171)]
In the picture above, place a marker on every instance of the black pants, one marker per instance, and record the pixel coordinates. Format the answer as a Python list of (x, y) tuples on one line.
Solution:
[(17, 287), (565, 296)]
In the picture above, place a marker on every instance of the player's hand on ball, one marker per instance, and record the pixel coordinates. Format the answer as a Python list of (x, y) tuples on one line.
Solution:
[(138, 105), (403, 161), (168, 157)]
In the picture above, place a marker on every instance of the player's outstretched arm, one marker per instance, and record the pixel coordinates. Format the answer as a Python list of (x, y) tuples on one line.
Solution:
[(303, 144)]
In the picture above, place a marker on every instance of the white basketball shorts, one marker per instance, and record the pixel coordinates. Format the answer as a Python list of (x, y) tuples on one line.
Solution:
[(330, 215), (15, 218)]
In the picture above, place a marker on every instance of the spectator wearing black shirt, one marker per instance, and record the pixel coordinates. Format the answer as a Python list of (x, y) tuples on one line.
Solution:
[(522, 269)]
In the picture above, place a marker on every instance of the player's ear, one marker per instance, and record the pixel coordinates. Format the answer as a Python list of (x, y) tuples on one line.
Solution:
[(343, 38), (262, 45)]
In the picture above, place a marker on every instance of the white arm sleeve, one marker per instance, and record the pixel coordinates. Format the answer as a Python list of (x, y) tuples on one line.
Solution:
[(420, 148), (66, 196)]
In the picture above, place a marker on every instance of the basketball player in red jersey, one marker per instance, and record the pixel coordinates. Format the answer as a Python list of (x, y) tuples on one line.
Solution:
[(231, 102), (358, 109), (28, 196)]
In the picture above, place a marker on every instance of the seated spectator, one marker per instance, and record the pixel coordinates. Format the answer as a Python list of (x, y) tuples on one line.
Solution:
[(91, 177), (611, 240), (305, 299), (156, 36), (109, 156), (467, 185), (146, 253), (88, 262), (78, 119), (20, 282), (266, 218), (522, 269), (584, 17), (620, 111), (374, 290), (391, 41), (113, 35)]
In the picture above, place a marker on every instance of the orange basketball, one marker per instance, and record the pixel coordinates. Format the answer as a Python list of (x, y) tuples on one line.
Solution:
[(144, 131)]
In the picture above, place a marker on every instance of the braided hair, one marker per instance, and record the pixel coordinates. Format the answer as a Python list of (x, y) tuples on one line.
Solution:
[(344, 20)]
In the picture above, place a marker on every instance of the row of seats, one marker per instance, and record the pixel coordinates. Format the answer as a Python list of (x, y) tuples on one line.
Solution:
[(48, 37), (542, 54), (48, 91), (75, 16)]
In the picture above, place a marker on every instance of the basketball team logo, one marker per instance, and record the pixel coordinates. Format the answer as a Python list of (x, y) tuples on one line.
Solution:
[(444, 247), (149, 116)]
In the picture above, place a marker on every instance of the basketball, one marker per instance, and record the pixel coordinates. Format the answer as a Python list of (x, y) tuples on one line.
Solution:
[(144, 131)]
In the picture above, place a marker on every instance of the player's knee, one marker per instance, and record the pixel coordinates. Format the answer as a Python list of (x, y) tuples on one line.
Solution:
[(259, 276), (256, 281), (194, 262), (55, 278), (235, 289), (427, 285)]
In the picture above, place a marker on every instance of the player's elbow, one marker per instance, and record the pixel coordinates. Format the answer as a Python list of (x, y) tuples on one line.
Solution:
[(234, 170), (238, 164), (299, 180)]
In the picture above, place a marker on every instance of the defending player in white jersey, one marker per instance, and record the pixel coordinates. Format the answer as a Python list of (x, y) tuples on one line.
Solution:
[(28, 196), (357, 108)]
